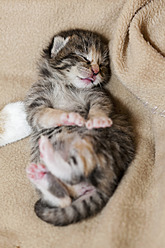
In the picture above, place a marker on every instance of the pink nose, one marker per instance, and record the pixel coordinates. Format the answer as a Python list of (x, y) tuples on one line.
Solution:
[(95, 69)]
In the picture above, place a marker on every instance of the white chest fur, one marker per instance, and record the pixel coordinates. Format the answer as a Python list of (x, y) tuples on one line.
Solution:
[(68, 99)]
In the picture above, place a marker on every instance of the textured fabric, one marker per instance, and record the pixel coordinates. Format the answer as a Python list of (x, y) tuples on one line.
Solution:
[(135, 215)]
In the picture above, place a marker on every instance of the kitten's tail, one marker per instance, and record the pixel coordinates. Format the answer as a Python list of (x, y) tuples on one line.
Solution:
[(80, 209), (13, 124)]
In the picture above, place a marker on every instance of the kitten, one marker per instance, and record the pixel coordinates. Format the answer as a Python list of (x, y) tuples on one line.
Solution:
[(80, 147)]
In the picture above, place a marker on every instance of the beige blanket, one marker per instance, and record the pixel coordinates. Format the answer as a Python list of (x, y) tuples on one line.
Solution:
[(135, 215)]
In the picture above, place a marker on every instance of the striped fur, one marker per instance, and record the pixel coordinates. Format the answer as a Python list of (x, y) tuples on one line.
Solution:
[(73, 71)]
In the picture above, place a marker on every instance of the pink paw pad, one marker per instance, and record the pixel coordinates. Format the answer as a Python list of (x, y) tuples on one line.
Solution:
[(36, 171)]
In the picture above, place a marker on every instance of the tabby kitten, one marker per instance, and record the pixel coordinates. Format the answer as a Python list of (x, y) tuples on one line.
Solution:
[(80, 147)]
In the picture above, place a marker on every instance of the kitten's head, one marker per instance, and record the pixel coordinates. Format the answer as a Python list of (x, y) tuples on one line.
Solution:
[(80, 58)]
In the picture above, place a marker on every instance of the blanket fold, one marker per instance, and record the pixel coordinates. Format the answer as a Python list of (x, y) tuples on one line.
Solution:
[(138, 51), (135, 215)]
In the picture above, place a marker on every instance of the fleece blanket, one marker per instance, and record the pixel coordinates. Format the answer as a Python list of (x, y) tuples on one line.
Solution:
[(135, 215)]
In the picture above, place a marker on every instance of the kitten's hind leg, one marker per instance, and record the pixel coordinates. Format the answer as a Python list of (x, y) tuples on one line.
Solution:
[(53, 191), (53, 160), (75, 161)]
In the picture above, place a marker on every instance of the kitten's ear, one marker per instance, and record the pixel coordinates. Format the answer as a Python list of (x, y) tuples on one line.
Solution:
[(58, 43)]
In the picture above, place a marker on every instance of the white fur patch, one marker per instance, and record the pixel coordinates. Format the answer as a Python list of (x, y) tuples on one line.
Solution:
[(13, 124)]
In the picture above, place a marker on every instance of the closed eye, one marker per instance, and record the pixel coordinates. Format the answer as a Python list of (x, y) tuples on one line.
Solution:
[(84, 58), (87, 61)]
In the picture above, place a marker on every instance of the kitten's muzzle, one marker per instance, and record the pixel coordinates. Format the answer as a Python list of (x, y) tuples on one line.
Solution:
[(89, 76), (95, 69)]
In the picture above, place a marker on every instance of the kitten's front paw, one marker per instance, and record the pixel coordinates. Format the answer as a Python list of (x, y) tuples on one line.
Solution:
[(72, 119), (98, 122)]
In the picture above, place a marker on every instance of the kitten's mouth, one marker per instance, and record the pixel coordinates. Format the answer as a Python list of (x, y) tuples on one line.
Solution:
[(88, 80)]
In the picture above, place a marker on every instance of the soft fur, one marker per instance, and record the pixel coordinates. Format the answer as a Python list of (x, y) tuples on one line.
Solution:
[(89, 146)]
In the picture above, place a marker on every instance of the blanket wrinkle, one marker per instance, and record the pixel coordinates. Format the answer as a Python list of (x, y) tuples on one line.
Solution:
[(136, 61), (135, 215)]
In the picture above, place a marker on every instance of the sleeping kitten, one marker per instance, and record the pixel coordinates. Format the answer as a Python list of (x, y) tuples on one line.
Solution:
[(80, 147)]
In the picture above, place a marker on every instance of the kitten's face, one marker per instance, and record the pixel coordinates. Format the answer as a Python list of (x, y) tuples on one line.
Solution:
[(82, 58), (88, 70)]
